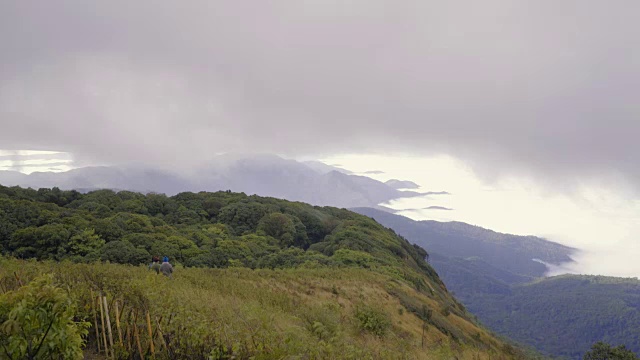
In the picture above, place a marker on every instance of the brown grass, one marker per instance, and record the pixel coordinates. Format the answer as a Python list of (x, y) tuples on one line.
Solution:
[(275, 314)]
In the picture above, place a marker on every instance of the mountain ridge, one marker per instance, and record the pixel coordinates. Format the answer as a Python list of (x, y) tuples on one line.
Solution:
[(458, 239), (267, 175)]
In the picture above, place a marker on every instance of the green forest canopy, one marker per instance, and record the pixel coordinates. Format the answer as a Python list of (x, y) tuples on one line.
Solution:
[(204, 229)]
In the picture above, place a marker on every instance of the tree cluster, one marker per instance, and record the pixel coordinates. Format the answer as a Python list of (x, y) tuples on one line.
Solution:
[(204, 229)]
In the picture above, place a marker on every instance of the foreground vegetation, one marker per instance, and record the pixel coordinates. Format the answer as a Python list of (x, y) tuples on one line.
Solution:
[(327, 313), (257, 278)]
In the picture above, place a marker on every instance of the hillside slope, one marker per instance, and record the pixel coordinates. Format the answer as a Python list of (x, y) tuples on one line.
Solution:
[(511, 253), (494, 276), (290, 279)]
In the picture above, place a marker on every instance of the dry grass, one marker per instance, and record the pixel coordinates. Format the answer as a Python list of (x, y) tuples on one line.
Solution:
[(275, 314)]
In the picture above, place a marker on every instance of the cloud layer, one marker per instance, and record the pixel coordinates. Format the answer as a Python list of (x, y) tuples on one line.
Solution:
[(529, 86)]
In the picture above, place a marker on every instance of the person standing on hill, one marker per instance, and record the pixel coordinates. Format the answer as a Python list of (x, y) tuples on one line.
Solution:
[(166, 269), (155, 265)]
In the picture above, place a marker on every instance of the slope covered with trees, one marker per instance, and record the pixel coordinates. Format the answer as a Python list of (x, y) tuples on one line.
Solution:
[(313, 280), (196, 230), (565, 315)]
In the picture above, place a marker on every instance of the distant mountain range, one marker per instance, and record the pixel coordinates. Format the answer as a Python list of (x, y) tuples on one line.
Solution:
[(402, 184), (323, 168), (266, 175)]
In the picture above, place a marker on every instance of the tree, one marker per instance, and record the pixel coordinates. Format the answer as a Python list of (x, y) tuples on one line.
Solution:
[(279, 226), (183, 215), (97, 210), (85, 246), (604, 351), (315, 228), (146, 241), (159, 204), (123, 252), (132, 223), (39, 242), (105, 197), (242, 216), (132, 206), (108, 230), (212, 206), (55, 196)]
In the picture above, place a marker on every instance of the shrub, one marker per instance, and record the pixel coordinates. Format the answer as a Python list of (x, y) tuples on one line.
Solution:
[(604, 351), (36, 322), (353, 258), (372, 320)]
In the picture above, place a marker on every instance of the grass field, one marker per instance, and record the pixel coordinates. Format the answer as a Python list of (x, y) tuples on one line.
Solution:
[(303, 313)]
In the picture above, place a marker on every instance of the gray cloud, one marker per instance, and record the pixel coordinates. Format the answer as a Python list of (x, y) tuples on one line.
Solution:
[(530, 86)]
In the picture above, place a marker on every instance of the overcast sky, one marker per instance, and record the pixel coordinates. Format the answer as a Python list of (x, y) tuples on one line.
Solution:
[(598, 220), (527, 111), (538, 88)]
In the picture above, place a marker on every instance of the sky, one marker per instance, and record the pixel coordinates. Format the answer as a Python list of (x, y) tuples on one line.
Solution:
[(599, 221), (539, 94), (28, 161)]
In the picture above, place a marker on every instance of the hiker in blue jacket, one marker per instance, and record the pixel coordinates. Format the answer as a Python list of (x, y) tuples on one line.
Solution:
[(166, 269)]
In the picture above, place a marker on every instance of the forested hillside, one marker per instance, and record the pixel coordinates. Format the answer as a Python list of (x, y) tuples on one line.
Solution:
[(564, 315), (298, 261), (196, 230)]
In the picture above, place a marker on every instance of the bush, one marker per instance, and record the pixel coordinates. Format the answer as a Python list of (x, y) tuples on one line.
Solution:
[(353, 258), (372, 320), (124, 252), (604, 351), (36, 322)]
